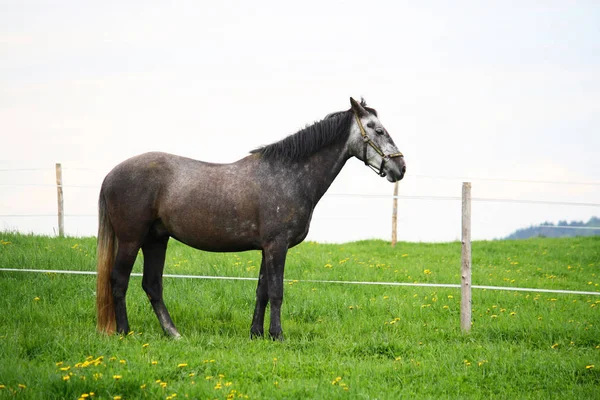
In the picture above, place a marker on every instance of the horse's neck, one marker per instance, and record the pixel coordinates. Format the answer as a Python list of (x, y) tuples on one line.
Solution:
[(317, 172)]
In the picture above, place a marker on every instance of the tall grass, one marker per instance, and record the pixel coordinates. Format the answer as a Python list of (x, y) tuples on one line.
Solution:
[(342, 341)]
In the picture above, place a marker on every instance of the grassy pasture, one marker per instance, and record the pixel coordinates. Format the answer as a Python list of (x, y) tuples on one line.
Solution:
[(342, 341)]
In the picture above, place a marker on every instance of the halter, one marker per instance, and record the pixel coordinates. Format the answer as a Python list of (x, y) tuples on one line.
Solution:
[(368, 142)]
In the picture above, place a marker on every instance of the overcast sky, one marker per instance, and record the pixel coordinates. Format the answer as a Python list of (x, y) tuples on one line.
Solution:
[(491, 89)]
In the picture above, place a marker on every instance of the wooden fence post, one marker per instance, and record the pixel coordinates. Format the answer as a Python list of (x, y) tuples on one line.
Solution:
[(395, 215), (59, 194), (465, 273)]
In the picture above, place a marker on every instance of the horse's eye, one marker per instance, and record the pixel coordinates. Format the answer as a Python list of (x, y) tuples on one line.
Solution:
[(379, 131)]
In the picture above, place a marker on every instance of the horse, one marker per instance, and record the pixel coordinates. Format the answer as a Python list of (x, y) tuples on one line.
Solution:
[(263, 201)]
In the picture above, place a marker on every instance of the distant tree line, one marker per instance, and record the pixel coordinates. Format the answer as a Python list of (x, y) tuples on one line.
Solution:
[(562, 229)]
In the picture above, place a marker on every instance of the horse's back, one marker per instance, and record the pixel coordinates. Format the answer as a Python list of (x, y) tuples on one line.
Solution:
[(196, 202)]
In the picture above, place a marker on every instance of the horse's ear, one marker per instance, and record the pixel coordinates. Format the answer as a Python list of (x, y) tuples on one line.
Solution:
[(357, 108)]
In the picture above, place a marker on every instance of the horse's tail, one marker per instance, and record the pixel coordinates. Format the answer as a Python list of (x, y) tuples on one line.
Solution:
[(107, 247)]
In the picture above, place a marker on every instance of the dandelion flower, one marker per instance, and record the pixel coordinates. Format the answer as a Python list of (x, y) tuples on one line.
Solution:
[(66, 377), (182, 365), (21, 386), (117, 377), (589, 366)]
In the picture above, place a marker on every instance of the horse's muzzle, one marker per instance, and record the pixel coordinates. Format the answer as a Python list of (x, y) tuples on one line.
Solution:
[(396, 169)]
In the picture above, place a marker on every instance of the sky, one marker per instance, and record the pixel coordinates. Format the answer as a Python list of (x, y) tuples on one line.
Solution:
[(496, 93)]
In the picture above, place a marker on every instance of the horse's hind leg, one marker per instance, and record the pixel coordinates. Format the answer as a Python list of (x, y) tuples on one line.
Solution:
[(119, 279), (154, 249), (262, 298)]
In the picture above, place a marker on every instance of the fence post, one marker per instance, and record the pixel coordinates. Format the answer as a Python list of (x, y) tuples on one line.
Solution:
[(465, 273), (59, 195), (395, 215)]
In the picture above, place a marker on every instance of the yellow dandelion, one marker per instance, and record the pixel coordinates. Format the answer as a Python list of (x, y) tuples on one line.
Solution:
[(117, 377), (555, 345), (117, 398), (218, 386), (36, 299), (2, 387), (589, 366), (21, 386), (427, 272), (123, 361), (228, 383), (143, 386), (208, 378), (66, 377), (145, 345), (163, 385), (182, 365), (154, 362)]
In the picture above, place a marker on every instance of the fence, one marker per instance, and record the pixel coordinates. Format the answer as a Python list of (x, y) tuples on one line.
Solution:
[(465, 198), (60, 213)]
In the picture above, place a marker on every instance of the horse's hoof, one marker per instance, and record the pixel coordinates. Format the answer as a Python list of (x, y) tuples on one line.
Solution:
[(277, 337), (256, 334)]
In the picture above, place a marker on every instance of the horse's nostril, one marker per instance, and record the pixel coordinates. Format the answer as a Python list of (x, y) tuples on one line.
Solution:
[(404, 169)]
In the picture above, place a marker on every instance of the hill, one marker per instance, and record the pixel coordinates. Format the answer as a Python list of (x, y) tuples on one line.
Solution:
[(563, 229)]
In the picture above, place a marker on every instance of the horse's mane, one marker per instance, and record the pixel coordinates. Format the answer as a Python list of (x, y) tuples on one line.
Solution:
[(331, 129)]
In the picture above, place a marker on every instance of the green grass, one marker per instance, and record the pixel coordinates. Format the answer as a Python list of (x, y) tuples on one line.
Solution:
[(342, 341)]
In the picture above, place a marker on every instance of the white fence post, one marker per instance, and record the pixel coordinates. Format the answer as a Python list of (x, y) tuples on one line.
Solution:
[(465, 273), (395, 215), (59, 195)]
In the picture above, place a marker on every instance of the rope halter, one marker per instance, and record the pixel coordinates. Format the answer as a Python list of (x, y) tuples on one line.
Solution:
[(368, 142)]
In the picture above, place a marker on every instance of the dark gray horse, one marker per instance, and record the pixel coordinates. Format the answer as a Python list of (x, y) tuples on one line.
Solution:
[(262, 202)]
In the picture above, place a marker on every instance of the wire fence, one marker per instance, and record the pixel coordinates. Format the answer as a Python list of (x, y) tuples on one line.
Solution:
[(402, 197), (337, 282)]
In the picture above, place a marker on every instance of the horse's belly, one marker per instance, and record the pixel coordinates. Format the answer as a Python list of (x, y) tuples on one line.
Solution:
[(214, 234)]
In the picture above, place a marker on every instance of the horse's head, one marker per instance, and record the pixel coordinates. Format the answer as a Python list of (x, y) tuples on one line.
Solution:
[(370, 142)]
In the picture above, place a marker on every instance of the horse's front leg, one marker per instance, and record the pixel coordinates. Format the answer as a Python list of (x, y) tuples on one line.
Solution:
[(262, 298), (274, 259)]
